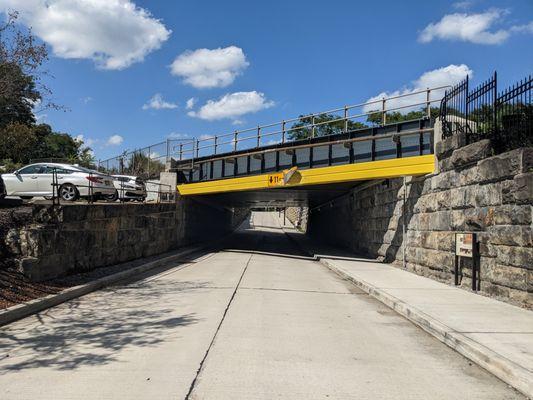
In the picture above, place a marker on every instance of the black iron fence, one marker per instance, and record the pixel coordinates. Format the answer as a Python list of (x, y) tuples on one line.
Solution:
[(505, 117)]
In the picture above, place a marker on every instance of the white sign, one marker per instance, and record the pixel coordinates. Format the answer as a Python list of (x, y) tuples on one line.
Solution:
[(464, 244)]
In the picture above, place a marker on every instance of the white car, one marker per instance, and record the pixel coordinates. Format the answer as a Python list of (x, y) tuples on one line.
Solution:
[(36, 180), (128, 188)]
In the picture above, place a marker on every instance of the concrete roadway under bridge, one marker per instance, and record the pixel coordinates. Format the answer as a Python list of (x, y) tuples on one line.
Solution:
[(256, 319)]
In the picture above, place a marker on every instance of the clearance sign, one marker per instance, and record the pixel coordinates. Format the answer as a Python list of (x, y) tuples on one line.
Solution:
[(281, 178)]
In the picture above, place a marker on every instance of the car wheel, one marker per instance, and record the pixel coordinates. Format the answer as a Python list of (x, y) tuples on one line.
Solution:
[(68, 192), (112, 197)]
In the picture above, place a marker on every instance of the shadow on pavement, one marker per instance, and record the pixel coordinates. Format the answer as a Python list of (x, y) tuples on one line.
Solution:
[(82, 332)]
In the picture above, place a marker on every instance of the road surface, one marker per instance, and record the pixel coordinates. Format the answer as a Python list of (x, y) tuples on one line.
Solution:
[(257, 320)]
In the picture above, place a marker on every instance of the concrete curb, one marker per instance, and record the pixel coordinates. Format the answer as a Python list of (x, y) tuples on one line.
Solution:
[(20, 311), (508, 371)]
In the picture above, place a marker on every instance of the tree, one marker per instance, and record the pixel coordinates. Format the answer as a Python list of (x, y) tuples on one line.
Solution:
[(329, 124), (19, 48), (18, 97), (17, 143), (376, 118)]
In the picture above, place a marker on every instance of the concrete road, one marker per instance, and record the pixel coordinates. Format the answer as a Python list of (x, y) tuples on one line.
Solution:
[(257, 320)]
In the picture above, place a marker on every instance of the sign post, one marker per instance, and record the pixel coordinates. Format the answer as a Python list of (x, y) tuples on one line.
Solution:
[(466, 246)]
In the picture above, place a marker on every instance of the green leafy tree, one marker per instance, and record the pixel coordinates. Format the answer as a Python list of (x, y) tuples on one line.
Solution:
[(17, 102), (328, 124), (17, 142), (376, 118)]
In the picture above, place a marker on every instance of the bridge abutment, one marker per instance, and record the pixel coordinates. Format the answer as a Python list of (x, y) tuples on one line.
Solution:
[(413, 223)]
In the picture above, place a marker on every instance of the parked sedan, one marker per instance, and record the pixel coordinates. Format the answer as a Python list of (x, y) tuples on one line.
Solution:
[(36, 180), (128, 188)]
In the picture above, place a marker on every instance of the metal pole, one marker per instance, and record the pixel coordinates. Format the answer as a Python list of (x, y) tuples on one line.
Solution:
[(383, 112), (313, 126), (283, 131), (235, 140), (428, 102), (215, 141), (149, 155), (345, 119), (258, 136), (168, 151), (404, 238), (494, 106), (181, 151), (197, 148)]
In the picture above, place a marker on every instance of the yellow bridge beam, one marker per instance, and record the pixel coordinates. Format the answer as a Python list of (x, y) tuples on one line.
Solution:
[(393, 168)]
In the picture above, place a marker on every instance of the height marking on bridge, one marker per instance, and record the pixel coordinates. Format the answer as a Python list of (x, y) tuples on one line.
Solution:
[(275, 179)]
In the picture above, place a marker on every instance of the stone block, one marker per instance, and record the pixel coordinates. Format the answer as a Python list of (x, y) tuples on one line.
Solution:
[(440, 221), (471, 153), (501, 167), (510, 235), (472, 219), (512, 214), (446, 180), (445, 147), (486, 195), (515, 255), (503, 275), (519, 190)]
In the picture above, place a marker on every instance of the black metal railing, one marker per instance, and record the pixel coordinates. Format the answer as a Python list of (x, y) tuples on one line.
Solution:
[(505, 117)]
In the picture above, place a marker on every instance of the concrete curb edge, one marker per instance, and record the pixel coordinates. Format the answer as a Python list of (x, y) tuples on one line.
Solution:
[(23, 310), (508, 371)]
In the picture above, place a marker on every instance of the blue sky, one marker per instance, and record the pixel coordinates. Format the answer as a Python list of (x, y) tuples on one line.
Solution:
[(262, 61)]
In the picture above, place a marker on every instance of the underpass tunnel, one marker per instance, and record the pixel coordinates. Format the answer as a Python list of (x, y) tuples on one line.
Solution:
[(273, 209)]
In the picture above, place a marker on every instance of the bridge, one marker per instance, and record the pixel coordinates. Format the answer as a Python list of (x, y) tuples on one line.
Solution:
[(314, 160)]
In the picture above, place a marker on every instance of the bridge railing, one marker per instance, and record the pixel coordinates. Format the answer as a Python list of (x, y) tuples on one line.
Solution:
[(315, 124), (378, 112)]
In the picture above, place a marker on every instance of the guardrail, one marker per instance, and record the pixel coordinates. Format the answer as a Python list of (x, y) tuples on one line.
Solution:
[(153, 158)]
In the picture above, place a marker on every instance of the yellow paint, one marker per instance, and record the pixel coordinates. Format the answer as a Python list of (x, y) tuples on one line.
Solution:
[(409, 166)]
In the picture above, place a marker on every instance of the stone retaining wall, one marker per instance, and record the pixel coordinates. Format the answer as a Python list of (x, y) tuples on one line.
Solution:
[(79, 237), (415, 225)]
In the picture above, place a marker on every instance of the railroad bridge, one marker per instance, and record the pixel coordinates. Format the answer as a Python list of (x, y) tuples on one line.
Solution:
[(277, 166)]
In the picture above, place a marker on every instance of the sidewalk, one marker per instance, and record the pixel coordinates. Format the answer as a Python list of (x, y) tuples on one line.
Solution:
[(495, 335)]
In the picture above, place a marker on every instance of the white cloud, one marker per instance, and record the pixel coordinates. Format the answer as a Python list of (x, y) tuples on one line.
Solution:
[(450, 75), (112, 33), (86, 100), (232, 106), (177, 135), (86, 141), (462, 5), (115, 140), (205, 68), (473, 28), (527, 28), (158, 103), (206, 137), (191, 103)]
